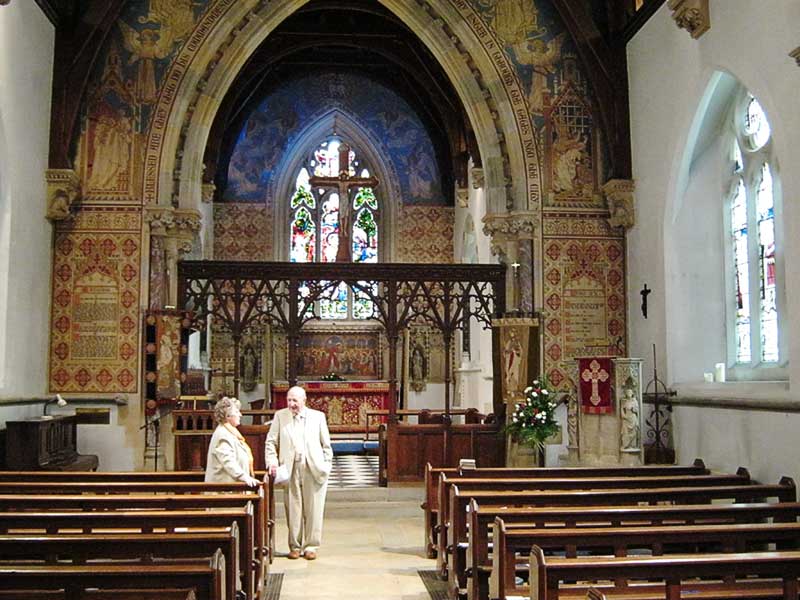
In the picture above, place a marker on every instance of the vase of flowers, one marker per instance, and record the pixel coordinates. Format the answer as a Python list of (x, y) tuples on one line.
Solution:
[(532, 420)]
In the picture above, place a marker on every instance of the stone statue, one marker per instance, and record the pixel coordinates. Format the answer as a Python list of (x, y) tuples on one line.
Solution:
[(629, 417), (417, 364), (249, 369), (572, 422)]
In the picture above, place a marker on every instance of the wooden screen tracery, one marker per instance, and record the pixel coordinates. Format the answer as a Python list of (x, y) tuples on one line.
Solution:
[(240, 296)]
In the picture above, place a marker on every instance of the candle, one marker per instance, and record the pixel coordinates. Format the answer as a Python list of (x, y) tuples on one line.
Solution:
[(719, 372), (708, 377)]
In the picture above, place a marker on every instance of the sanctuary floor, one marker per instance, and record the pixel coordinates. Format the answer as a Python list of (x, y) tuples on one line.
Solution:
[(370, 550)]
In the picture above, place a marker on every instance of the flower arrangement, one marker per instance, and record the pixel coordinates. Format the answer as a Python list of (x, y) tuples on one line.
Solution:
[(332, 377), (533, 420)]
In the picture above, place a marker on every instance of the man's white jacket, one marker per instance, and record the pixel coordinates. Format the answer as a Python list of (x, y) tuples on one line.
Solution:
[(280, 448)]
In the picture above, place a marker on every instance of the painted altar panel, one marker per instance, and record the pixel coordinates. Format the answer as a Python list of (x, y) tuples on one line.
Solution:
[(95, 310), (345, 403), (424, 234), (584, 294), (353, 354), (242, 232)]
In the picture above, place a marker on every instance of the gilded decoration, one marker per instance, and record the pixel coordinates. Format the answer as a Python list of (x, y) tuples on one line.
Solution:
[(63, 190), (621, 207), (424, 234), (242, 231), (584, 296), (691, 15), (351, 353), (95, 310)]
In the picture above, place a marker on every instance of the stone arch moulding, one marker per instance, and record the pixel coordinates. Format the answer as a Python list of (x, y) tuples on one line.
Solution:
[(349, 131), (231, 30)]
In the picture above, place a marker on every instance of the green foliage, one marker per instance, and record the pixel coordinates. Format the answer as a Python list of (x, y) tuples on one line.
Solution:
[(366, 196), (366, 221), (533, 420), (303, 196)]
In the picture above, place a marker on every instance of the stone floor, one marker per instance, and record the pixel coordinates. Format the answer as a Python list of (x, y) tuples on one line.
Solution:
[(371, 549)]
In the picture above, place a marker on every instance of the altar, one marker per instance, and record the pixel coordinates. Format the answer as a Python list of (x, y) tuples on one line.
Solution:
[(345, 403)]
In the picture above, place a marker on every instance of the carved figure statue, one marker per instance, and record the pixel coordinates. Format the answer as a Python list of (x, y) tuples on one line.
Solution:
[(417, 364), (572, 422), (629, 416), (249, 369)]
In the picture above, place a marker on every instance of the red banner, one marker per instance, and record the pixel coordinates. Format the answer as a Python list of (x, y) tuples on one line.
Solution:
[(594, 378)]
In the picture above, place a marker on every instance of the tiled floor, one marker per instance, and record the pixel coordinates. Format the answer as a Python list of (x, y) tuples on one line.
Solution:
[(368, 552), (354, 471)]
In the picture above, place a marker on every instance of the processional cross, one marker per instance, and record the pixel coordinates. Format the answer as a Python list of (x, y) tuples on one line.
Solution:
[(343, 183)]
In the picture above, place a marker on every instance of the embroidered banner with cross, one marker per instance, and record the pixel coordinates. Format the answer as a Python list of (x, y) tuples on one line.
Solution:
[(594, 383)]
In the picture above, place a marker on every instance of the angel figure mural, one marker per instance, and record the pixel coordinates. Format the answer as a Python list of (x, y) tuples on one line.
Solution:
[(177, 15), (146, 46), (542, 56), (513, 20)]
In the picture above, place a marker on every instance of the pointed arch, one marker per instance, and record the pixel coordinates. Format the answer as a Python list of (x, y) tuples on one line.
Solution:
[(371, 149), (208, 64)]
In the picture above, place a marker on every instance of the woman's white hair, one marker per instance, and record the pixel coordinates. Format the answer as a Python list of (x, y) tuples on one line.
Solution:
[(223, 408)]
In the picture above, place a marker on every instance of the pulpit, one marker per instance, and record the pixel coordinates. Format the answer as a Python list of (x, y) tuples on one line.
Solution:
[(345, 403)]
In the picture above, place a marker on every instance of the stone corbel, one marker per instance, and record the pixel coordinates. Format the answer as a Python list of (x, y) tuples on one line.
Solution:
[(691, 15), (795, 54), (462, 197), (207, 193), (63, 190), (477, 178), (621, 207)]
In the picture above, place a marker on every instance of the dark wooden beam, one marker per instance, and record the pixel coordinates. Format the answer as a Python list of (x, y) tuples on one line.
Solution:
[(61, 13), (77, 49), (605, 66), (642, 16)]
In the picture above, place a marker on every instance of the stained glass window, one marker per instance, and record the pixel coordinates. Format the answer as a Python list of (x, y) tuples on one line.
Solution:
[(754, 247), (314, 226)]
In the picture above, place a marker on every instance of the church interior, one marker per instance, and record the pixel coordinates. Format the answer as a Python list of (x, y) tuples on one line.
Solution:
[(441, 218)]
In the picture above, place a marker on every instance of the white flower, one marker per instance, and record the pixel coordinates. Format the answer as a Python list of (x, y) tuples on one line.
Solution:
[(534, 394), (528, 389), (515, 419), (535, 382), (545, 392), (551, 404)]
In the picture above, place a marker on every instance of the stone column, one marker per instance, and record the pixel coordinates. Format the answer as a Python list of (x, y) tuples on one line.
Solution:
[(512, 237), (172, 233)]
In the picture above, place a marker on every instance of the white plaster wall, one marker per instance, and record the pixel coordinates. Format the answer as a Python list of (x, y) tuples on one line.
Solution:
[(668, 74), (26, 65)]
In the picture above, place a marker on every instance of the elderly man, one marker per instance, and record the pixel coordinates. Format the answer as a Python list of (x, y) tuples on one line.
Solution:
[(298, 438)]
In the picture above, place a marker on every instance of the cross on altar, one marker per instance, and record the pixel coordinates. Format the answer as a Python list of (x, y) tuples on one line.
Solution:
[(343, 183), (595, 374)]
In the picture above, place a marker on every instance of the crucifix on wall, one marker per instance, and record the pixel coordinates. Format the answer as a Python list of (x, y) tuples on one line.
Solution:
[(343, 183)]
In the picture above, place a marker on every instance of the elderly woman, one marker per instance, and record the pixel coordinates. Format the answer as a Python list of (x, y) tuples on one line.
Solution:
[(229, 457)]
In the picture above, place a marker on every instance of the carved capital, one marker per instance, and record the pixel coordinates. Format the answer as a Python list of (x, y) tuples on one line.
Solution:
[(621, 207), (63, 189), (795, 54), (160, 219), (462, 197), (477, 178), (207, 194), (178, 224), (691, 15)]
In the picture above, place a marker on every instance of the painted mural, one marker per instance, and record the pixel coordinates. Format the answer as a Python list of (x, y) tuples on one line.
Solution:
[(95, 313), (424, 234), (269, 136), (558, 97), (584, 294), (350, 354), (124, 89), (242, 231)]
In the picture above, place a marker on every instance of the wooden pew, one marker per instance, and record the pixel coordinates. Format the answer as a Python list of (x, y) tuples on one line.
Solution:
[(742, 477), (677, 574), (481, 522), (587, 484), (616, 541), (207, 578), (71, 477), (264, 507), (144, 521), (452, 549), (430, 506), (142, 547)]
